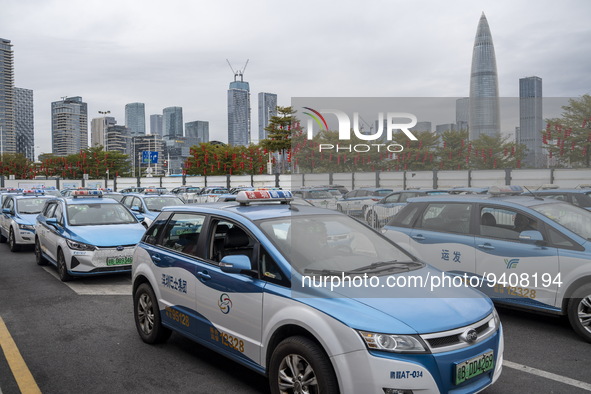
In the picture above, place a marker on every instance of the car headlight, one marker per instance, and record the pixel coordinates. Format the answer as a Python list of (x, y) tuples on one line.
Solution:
[(496, 318), (26, 227), (79, 245), (393, 342)]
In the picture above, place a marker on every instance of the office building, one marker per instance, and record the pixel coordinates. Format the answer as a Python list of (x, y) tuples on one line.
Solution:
[(172, 123), (484, 117), (98, 130), (24, 122), (156, 124), (238, 112), (197, 131), (531, 122), (267, 109), (117, 138), (135, 118), (442, 128), (421, 127), (69, 126), (7, 121)]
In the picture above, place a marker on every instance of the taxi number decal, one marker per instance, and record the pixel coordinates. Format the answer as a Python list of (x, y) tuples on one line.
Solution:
[(406, 374), (226, 339), (177, 316), (516, 291)]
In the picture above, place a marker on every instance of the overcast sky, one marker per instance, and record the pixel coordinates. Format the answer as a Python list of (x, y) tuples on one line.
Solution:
[(173, 53)]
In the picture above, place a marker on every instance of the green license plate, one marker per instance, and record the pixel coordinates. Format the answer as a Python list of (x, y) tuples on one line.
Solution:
[(475, 366), (119, 260)]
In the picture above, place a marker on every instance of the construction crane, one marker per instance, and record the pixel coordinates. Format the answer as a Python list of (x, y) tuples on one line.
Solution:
[(238, 73)]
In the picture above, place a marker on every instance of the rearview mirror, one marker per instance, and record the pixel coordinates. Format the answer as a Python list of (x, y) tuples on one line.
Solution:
[(532, 237), (235, 264)]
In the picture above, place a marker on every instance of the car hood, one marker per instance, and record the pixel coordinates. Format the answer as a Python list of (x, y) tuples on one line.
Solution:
[(27, 218), (108, 234)]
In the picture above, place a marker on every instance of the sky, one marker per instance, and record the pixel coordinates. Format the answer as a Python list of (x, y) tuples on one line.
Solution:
[(173, 53)]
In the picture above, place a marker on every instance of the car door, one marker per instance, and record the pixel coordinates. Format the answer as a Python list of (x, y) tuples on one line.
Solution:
[(442, 236), (6, 218), (511, 262), (232, 302), (52, 233)]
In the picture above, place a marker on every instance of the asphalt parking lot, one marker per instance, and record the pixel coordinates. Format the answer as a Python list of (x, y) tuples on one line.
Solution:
[(80, 337)]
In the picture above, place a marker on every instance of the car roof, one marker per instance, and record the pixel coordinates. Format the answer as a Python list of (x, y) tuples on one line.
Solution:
[(520, 200), (253, 212), (556, 191), (71, 200)]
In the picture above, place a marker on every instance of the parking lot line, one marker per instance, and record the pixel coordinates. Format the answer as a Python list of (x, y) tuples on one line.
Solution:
[(20, 371), (121, 287), (548, 375)]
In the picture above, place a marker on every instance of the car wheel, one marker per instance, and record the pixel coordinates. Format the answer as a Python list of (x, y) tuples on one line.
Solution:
[(579, 311), (62, 269), (298, 365), (38, 253), (147, 316), (14, 247)]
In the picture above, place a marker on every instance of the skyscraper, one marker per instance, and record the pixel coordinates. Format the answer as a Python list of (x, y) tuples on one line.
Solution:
[(172, 122), (98, 130), (7, 132), (484, 86), (531, 122), (238, 112), (267, 108), (198, 131), (156, 124), (24, 123), (69, 126), (135, 118)]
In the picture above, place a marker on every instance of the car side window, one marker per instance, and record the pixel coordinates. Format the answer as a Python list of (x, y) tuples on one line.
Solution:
[(446, 217), (270, 271), (49, 210), (405, 217), (182, 232), (392, 198), (505, 223), (406, 196), (59, 214), (581, 200), (9, 203), (228, 238), (559, 240)]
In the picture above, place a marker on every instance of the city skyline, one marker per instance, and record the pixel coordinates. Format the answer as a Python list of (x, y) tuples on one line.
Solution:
[(112, 61)]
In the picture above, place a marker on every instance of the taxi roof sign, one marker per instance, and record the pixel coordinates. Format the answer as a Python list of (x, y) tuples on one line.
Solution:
[(87, 193), (246, 197), (34, 192), (505, 190)]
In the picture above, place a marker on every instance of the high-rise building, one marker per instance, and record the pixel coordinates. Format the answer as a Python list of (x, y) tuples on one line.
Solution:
[(198, 131), (531, 122), (135, 118), (238, 112), (484, 86), (156, 124), (98, 130), (267, 109), (69, 126), (442, 128), (24, 122), (7, 127), (172, 123), (117, 138), (462, 113), (422, 126)]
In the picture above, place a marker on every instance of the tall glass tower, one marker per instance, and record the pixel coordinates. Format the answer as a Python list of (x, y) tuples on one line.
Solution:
[(531, 122), (484, 117), (238, 112), (135, 118), (267, 109), (69, 126), (7, 132), (172, 122), (24, 123)]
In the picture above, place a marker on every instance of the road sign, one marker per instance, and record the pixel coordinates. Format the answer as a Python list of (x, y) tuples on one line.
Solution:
[(149, 157)]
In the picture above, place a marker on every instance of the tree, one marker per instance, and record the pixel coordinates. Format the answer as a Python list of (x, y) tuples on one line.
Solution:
[(16, 164), (92, 161), (454, 153), (280, 131), (495, 152), (417, 155), (568, 139), (214, 159)]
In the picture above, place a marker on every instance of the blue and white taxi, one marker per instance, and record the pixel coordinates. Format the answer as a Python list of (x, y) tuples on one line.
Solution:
[(245, 279), (149, 203), (528, 252), (17, 221), (86, 235)]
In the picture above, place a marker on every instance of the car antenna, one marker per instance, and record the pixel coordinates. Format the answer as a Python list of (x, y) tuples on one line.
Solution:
[(533, 194)]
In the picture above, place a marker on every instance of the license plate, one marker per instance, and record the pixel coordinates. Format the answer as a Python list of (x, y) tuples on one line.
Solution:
[(119, 260), (475, 366)]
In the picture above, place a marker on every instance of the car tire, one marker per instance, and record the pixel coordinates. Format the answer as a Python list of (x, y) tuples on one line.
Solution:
[(306, 356), (146, 314), (14, 247), (579, 311), (62, 268), (39, 254)]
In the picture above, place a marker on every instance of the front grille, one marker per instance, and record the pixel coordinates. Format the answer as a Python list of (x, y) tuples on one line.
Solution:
[(445, 341)]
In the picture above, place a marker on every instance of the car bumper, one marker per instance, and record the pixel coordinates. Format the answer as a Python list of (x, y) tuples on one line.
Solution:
[(101, 261), (24, 237)]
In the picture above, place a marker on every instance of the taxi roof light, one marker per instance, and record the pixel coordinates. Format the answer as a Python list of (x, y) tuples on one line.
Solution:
[(34, 192), (87, 193), (584, 186), (548, 186), (507, 190), (245, 197)]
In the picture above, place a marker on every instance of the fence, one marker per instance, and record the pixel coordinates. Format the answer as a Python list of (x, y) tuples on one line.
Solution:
[(533, 179)]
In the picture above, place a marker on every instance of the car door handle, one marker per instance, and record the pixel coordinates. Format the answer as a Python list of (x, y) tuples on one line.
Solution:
[(418, 237), (155, 257), (486, 246), (204, 275)]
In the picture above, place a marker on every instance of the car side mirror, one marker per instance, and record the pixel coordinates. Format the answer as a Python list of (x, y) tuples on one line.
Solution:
[(532, 237), (51, 221), (6, 211), (135, 208), (234, 264), (140, 218)]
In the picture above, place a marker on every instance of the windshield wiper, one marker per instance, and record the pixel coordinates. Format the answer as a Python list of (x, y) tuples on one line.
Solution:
[(323, 272), (393, 264)]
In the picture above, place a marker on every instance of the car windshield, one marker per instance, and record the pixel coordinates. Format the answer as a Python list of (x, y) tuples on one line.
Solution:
[(99, 213), (382, 193), (323, 244), (157, 203), (27, 206), (312, 194), (117, 197), (575, 219)]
